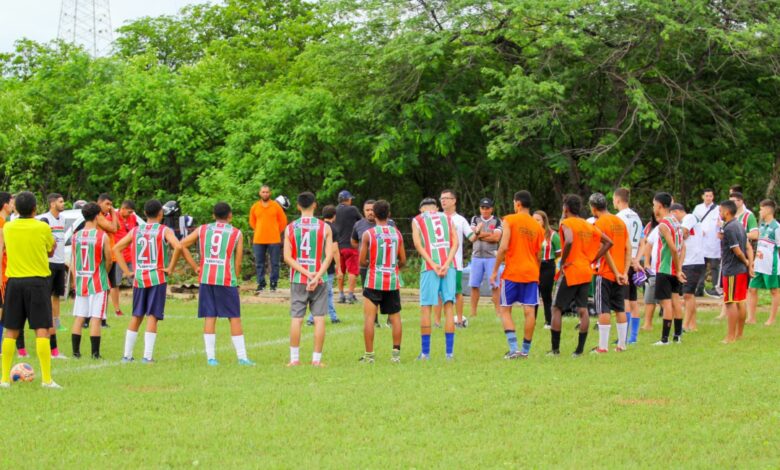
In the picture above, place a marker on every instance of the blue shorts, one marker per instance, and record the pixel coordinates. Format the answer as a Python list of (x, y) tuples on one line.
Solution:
[(149, 301), (481, 268), (218, 301), (433, 287), (523, 293)]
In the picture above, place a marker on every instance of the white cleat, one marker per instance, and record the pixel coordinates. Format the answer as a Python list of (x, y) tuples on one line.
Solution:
[(60, 356), (661, 343), (5, 384), (51, 384)]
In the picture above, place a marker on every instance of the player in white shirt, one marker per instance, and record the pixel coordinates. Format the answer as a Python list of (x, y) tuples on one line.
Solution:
[(693, 263), (621, 199), (707, 214)]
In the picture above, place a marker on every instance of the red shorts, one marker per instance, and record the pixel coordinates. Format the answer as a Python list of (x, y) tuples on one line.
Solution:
[(735, 288), (349, 261)]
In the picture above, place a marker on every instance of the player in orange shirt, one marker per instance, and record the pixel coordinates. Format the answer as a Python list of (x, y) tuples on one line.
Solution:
[(583, 244), (610, 281), (6, 208), (520, 249)]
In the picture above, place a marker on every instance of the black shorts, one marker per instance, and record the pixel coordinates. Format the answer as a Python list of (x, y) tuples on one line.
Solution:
[(630, 291), (666, 285), (27, 298), (608, 296), (57, 279), (692, 273), (565, 295), (112, 275), (388, 301)]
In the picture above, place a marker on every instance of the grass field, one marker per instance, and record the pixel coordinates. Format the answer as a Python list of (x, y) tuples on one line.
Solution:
[(698, 404)]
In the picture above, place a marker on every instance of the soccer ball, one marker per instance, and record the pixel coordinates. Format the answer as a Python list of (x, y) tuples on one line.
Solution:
[(22, 372)]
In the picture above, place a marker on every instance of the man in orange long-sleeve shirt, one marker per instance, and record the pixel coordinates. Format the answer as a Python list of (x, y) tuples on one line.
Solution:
[(267, 219)]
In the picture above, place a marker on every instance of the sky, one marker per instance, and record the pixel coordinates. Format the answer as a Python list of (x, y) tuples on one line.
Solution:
[(38, 19)]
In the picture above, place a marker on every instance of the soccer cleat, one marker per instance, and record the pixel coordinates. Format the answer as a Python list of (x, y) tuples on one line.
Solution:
[(599, 351), (127, 360), (377, 324), (59, 356), (515, 355), (118, 313), (449, 357), (352, 299), (317, 364), (22, 353), (395, 359), (212, 362), (293, 363), (105, 324), (309, 322), (553, 353), (661, 343), (147, 361), (366, 359), (677, 339), (633, 341), (423, 357), (51, 384), (335, 321), (5, 384), (76, 355), (97, 357), (246, 362), (342, 299), (547, 326), (576, 354), (713, 293), (620, 349)]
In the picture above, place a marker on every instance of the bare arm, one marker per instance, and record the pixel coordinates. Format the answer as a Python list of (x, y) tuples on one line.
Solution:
[(401, 253), (107, 261), (568, 240), (117, 251), (363, 257), (106, 225), (184, 251), (173, 243), (664, 231), (239, 255), (419, 246)]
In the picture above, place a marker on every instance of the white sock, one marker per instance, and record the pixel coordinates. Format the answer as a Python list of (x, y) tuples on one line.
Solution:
[(622, 333), (211, 345), (316, 357), (149, 344), (604, 336), (130, 338), (294, 357), (238, 343)]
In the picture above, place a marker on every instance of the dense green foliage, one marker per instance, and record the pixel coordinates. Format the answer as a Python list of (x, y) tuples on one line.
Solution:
[(400, 98)]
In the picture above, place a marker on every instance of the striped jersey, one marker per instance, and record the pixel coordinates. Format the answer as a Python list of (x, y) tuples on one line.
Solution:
[(748, 221), (87, 260), (218, 242), (664, 263), (552, 247), (435, 236), (150, 255), (767, 248), (383, 244), (307, 241)]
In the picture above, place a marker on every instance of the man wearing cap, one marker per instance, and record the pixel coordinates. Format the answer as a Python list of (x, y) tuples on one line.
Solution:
[(347, 216), (268, 220), (487, 228)]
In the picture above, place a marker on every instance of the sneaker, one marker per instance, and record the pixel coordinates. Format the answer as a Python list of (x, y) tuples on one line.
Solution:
[(423, 357), (51, 384), (553, 353), (599, 351), (620, 349), (661, 343), (515, 355), (118, 313), (395, 359), (76, 355), (342, 299), (677, 339), (293, 363), (699, 293), (352, 299), (127, 360), (633, 341), (147, 361), (335, 321), (22, 353), (5, 384), (576, 354), (713, 293), (246, 362), (547, 326), (377, 324), (449, 357), (366, 359), (309, 322), (59, 356), (212, 362), (105, 324), (97, 357), (317, 364)]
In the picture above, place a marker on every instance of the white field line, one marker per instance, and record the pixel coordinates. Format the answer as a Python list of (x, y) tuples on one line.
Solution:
[(193, 352)]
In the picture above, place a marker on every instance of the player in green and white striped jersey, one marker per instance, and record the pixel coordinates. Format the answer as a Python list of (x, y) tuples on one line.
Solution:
[(765, 263)]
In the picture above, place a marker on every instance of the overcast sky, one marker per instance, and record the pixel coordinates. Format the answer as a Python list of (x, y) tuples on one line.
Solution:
[(38, 19)]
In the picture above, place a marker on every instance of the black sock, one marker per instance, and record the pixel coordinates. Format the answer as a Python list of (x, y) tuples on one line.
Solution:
[(53, 341), (678, 329), (103, 323), (555, 339), (665, 333), (95, 340), (75, 341), (581, 342), (20, 340), (397, 347)]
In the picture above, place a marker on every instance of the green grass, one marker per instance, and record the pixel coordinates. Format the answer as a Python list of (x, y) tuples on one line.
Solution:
[(698, 404)]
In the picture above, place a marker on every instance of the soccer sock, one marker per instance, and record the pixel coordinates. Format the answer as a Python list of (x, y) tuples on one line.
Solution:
[(53, 345), (149, 339), (130, 338), (511, 339), (526, 346), (316, 357), (665, 332), (628, 319), (622, 334), (604, 336), (635, 328), (211, 345), (450, 342), (9, 347), (75, 341), (581, 342), (294, 354), (555, 339), (426, 344), (95, 340), (43, 348), (678, 329), (238, 343), (20, 340)]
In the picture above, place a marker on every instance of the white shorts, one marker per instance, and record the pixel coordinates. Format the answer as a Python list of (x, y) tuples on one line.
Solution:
[(91, 306)]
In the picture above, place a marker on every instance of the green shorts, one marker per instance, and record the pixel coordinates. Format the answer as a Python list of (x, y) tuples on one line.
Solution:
[(458, 282), (765, 281)]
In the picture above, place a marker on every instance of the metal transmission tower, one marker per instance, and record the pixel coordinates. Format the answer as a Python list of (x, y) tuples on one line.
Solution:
[(86, 23)]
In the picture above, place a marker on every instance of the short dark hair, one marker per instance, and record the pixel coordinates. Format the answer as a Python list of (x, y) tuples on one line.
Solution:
[(524, 198), (624, 194), (222, 210), (5, 198), (735, 188), (381, 209), (677, 207), (737, 195), (573, 203), (26, 203), (152, 208), (428, 201), (128, 204), (329, 211), (449, 191), (369, 201), (90, 211), (769, 203), (105, 197), (708, 190), (306, 199), (665, 199), (598, 201), (729, 206), (53, 197)]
